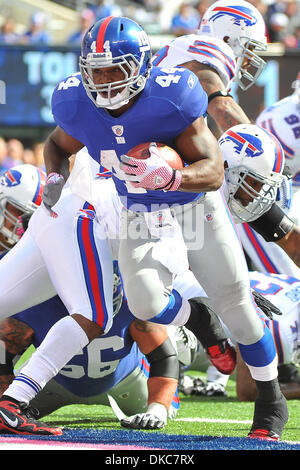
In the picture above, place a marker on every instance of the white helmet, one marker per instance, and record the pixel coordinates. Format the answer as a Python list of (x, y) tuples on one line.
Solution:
[(22, 188), (242, 27), (250, 150)]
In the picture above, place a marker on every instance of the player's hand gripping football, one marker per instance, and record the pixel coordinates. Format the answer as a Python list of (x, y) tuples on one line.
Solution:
[(52, 191), (151, 173), (154, 418)]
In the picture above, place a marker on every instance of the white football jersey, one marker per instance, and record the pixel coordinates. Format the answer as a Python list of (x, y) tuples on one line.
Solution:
[(284, 292), (283, 120), (205, 49)]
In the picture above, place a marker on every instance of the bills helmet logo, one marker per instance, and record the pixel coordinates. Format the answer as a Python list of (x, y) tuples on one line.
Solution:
[(11, 178), (238, 13), (251, 145)]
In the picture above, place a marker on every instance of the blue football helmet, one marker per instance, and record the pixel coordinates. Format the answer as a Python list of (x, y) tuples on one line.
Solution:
[(115, 42)]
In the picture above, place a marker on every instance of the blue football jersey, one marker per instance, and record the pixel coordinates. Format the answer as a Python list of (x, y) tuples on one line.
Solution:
[(99, 366), (171, 100)]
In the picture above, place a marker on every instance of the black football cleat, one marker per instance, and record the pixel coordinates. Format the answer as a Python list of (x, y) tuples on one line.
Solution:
[(223, 357), (208, 329), (21, 419), (269, 419)]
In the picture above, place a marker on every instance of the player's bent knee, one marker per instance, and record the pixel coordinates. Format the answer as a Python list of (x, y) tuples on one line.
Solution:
[(150, 306), (91, 329)]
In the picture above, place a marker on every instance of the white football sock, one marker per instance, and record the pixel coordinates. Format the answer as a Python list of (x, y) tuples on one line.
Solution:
[(63, 341)]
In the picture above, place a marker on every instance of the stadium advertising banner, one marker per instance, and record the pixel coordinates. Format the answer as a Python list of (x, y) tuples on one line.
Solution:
[(28, 77)]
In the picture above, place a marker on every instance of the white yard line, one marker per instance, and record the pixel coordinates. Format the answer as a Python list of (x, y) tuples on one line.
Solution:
[(212, 420)]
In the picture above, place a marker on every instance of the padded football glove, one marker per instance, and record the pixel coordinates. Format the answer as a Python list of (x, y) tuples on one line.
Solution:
[(212, 389), (154, 418), (52, 191), (266, 306), (152, 173)]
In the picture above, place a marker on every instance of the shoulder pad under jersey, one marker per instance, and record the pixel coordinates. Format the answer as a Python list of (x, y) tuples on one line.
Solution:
[(69, 104), (174, 91), (207, 50)]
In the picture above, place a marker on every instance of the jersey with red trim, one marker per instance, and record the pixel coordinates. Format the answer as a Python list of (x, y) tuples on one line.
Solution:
[(170, 102), (283, 120), (204, 49), (284, 292)]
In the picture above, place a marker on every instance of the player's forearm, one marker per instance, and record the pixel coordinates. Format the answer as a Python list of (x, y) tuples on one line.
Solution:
[(226, 113), (56, 159), (291, 245), (161, 390), (203, 176)]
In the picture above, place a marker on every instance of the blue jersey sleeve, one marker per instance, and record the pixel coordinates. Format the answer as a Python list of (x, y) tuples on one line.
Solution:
[(69, 104), (176, 97), (195, 101)]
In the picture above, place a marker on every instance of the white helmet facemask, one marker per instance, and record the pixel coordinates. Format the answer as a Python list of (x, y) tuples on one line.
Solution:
[(262, 200), (248, 74), (255, 162), (20, 190), (241, 26)]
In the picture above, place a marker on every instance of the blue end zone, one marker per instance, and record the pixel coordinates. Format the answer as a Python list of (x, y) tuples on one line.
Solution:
[(157, 440)]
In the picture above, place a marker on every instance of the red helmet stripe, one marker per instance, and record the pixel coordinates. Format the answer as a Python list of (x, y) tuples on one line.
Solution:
[(101, 34), (241, 140), (233, 10)]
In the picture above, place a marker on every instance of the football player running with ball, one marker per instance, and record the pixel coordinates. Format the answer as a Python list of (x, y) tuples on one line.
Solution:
[(116, 103)]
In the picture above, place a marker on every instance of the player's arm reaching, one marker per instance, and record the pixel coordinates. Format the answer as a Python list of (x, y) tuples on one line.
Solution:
[(59, 146), (290, 243), (198, 147), (15, 337), (275, 226), (153, 341), (224, 110)]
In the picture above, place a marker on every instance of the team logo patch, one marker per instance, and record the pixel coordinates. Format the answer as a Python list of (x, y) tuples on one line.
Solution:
[(118, 130), (191, 81), (209, 217), (238, 13), (87, 214), (11, 178), (251, 145)]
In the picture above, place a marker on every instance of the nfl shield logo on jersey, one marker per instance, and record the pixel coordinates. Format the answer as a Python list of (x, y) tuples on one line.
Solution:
[(118, 130)]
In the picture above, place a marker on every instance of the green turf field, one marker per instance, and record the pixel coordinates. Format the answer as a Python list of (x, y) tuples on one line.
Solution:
[(191, 408)]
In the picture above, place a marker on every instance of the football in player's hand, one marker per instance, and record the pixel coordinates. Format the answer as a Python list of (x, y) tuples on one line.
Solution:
[(170, 155)]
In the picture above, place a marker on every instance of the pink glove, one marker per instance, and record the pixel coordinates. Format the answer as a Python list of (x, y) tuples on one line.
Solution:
[(52, 191), (152, 173)]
